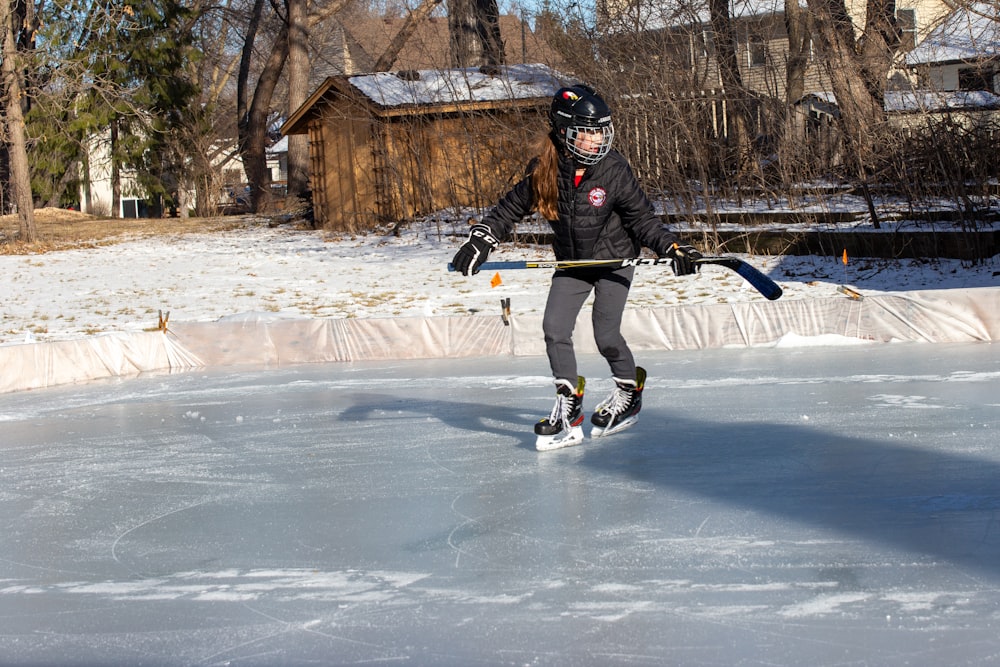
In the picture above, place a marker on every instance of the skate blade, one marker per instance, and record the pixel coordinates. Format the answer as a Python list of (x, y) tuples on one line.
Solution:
[(545, 443), (599, 432)]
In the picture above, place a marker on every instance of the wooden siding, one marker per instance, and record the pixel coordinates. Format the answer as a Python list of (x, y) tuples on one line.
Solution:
[(369, 168)]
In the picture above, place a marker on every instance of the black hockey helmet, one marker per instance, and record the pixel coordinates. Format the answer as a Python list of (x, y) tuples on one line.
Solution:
[(578, 110)]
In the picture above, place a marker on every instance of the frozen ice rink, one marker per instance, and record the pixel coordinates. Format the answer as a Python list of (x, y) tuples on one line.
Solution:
[(800, 506)]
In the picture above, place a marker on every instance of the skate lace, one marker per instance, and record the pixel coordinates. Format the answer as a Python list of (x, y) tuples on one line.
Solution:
[(560, 411), (618, 402)]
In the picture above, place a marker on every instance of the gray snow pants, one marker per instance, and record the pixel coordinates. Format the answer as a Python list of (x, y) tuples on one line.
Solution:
[(567, 295)]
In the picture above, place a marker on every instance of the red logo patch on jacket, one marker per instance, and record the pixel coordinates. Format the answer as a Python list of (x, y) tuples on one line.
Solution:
[(597, 197)]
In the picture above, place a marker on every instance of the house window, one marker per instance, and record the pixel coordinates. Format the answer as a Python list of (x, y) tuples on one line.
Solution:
[(133, 208), (974, 78), (757, 53), (906, 21)]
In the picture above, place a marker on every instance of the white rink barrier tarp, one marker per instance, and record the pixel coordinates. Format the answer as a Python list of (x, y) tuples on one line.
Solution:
[(934, 316)]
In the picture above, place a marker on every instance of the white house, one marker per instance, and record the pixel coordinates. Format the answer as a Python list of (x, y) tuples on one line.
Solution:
[(96, 183), (962, 53), (96, 189)]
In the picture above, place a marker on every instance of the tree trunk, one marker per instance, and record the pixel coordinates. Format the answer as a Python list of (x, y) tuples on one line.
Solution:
[(252, 112), (70, 175), (86, 204), (20, 175), (859, 96), (182, 203), (732, 83), (474, 30), (799, 37), (461, 31), (488, 15), (255, 154), (116, 179), (253, 116), (878, 46), (298, 92)]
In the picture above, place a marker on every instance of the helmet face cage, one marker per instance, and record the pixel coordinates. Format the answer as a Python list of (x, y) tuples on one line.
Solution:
[(589, 144), (581, 122)]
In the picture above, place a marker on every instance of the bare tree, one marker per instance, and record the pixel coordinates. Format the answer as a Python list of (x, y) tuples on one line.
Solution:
[(207, 142), (10, 73), (254, 110), (857, 68)]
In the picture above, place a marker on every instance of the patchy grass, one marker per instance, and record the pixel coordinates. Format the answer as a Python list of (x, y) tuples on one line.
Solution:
[(60, 229)]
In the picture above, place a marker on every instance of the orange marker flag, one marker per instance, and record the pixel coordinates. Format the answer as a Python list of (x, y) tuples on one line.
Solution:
[(845, 257), (496, 280)]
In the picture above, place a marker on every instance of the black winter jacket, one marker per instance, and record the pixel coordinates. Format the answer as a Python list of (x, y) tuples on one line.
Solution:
[(607, 216)]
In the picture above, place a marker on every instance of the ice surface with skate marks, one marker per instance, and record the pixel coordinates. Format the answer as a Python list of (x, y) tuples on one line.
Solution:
[(398, 513)]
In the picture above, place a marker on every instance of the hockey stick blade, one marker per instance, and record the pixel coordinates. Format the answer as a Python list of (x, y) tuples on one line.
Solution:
[(760, 282)]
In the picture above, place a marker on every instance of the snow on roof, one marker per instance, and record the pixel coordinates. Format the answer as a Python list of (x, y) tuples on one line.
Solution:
[(922, 100), (279, 146), (970, 33), (928, 100), (427, 87)]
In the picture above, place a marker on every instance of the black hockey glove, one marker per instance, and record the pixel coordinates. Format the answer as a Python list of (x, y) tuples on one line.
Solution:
[(682, 259), (474, 252)]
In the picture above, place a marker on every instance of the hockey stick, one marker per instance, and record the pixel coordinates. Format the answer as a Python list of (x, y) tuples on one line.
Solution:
[(767, 287)]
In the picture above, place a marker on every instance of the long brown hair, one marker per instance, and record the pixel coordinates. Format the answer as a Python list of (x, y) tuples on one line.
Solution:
[(544, 183)]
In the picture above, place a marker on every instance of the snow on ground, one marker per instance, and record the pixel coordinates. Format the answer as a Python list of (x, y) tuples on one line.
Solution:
[(294, 273)]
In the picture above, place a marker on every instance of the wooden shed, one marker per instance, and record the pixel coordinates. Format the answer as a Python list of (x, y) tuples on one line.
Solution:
[(390, 146)]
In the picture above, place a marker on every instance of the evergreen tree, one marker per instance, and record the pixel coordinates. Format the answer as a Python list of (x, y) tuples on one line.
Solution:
[(117, 83)]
